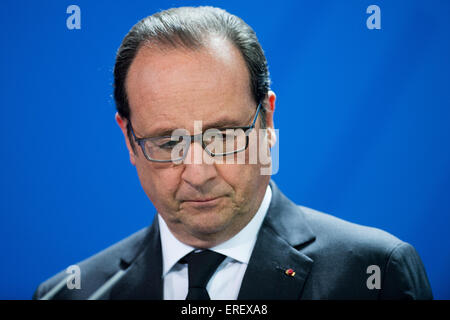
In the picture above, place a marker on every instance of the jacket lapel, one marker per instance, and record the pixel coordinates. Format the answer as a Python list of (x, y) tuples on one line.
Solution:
[(284, 228), (143, 277)]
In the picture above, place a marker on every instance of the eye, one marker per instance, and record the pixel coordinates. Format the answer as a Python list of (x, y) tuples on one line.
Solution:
[(168, 144)]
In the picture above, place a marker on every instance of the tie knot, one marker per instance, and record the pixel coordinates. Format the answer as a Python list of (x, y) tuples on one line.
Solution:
[(201, 266)]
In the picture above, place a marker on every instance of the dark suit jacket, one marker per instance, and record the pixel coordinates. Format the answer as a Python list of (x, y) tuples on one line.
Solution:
[(330, 258)]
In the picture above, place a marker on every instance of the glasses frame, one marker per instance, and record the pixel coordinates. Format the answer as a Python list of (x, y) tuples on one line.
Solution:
[(247, 129)]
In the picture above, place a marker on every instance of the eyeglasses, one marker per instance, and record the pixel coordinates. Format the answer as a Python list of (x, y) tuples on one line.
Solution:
[(216, 142)]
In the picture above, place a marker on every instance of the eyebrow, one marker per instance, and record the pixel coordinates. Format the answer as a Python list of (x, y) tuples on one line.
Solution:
[(219, 124)]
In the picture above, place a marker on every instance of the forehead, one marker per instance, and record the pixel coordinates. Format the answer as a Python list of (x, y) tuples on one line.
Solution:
[(172, 87)]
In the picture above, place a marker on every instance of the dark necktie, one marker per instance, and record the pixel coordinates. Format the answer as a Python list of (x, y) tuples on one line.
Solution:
[(201, 266)]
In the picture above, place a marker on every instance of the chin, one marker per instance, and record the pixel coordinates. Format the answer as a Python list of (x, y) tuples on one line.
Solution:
[(208, 224)]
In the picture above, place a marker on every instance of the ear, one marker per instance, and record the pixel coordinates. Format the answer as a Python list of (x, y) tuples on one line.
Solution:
[(269, 104), (122, 122)]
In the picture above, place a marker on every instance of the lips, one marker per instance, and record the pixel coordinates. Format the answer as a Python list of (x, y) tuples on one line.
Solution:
[(201, 200), (202, 203)]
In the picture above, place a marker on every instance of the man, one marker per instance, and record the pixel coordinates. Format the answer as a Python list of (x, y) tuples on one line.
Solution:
[(223, 229)]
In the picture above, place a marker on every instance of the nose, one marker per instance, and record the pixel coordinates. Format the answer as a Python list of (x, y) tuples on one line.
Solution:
[(197, 172)]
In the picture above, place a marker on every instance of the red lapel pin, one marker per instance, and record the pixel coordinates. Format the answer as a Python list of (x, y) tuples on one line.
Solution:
[(290, 272)]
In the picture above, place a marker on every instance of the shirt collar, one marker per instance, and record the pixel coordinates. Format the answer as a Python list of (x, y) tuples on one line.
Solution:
[(239, 247)]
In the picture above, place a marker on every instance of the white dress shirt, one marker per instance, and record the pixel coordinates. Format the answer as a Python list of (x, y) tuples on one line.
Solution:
[(225, 283)]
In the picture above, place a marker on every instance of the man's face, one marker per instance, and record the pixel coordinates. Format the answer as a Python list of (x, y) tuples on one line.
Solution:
[(202, 204)]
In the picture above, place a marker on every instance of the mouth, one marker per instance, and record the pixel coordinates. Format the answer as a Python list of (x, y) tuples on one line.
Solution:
[(204, 202), (201, 200)]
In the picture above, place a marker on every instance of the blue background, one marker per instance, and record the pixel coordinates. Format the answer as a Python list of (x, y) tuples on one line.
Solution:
[(363, 118)]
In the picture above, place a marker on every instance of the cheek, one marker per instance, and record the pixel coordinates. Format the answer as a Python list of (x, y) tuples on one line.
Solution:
[(160, 183), (241, 177)]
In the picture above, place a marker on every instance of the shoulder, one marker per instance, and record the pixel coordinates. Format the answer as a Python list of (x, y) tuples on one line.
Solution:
[(96, 269), (346, 245), (344, 234), (344, 252)]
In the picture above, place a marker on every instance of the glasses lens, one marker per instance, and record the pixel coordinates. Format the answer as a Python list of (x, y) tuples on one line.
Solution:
[(166, 148), (224, 142)]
